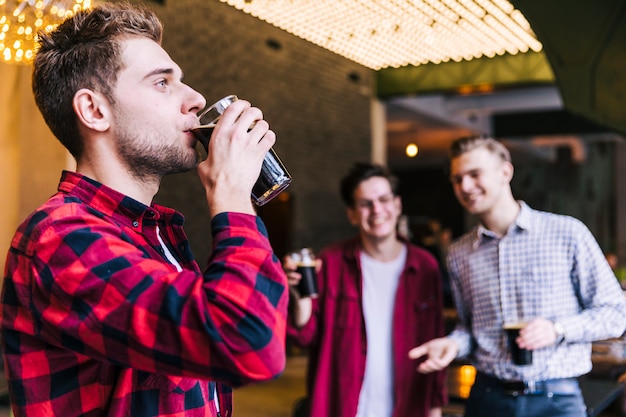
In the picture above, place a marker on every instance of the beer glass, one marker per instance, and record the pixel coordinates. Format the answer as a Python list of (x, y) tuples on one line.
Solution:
[(520, 356), (273, 178), (305, 266)]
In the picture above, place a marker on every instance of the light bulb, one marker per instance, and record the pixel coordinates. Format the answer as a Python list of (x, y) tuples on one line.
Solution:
[(411, 150)]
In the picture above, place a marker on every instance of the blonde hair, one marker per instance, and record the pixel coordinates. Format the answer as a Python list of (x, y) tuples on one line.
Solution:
[(466, 144)]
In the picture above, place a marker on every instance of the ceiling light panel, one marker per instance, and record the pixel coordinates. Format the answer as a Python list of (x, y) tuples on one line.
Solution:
[(395, 33), (21, 20)]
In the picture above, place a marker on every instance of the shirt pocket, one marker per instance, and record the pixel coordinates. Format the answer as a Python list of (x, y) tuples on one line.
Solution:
[(426, 307), (426, 314), (545, 280), (347, 308)]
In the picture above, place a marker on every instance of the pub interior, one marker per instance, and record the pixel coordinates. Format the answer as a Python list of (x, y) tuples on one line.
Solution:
[(559, 109)]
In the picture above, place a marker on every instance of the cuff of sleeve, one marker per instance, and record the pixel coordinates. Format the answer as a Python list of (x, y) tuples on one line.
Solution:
[(225, 220), (463, 339)]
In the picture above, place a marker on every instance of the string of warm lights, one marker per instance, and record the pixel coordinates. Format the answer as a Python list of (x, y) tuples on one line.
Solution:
[(20, 20), (395, 33)]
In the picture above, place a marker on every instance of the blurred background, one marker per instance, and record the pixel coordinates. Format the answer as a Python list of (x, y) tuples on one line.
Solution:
[(392, 82), (550, 88)]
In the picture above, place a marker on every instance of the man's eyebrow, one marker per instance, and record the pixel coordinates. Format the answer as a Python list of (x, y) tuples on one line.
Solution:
[(468, 172), (159, 71)]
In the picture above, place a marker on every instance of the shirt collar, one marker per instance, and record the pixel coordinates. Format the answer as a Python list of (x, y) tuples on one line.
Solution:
[(114, 204), (523, 221), (524, 218)]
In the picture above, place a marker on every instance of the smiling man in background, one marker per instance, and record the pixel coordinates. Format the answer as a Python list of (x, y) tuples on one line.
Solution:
[(378, 297), (521, 264)]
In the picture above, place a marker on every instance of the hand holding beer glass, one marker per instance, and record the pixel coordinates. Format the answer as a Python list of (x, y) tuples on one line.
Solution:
[(273, 178), (521, 357), (305, 266)]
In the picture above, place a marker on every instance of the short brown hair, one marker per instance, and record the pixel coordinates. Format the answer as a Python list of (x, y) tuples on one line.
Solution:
[(466, 144), (84, 52), (360, 172)]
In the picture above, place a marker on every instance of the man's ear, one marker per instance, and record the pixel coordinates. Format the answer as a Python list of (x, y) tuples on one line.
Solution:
[(398, 202), (352, 217), (507, 169), (92, 109)]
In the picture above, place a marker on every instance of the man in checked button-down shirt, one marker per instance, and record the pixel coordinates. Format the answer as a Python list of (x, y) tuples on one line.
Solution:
[(521, 264), (105, 312)]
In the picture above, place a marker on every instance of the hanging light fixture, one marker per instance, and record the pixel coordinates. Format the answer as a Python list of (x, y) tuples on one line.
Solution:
[(20, 20), (394, 33)]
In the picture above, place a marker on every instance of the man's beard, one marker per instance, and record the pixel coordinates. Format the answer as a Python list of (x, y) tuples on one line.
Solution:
[(154, 159)]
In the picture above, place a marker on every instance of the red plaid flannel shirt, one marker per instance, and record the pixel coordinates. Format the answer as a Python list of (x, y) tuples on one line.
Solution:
[(96, 322)]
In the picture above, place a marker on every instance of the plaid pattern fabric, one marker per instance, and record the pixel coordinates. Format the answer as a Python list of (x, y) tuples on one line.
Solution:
[(96, 321), (547, 266)]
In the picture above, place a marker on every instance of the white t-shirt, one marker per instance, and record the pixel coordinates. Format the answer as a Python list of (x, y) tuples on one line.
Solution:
[(380, 282)]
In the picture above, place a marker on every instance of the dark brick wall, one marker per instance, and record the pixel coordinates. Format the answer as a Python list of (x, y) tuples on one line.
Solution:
[(320, 115)]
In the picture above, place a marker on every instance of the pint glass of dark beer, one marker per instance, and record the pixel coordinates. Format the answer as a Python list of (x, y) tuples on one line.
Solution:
[(520, 356), (305, 261), (273, 178)]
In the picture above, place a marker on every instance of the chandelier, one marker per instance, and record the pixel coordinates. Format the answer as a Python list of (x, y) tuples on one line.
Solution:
[(395, 33), (20, 20)]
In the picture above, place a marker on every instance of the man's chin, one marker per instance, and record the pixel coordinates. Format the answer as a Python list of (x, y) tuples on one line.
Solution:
[(473, 208), (185, 166), (379, 234), (181, 169)]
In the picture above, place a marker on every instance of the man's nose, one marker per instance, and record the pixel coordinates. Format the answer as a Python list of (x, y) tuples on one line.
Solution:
[(195, 101), (377, 205), (466, 183)]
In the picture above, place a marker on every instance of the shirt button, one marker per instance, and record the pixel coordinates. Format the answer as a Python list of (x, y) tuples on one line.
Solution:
[(135, 223)]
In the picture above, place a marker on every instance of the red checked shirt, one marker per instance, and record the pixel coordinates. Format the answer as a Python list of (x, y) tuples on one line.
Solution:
[(335, 334), (96, 321)]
